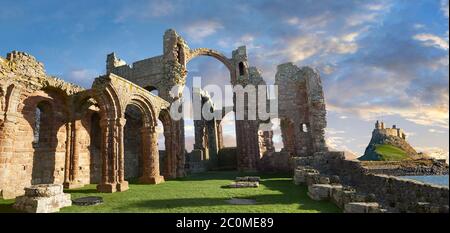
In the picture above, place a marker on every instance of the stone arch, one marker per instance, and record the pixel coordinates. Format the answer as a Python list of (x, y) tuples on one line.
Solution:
[(114, 94), (12, 99), (215, 54), (171, 156), (147, 109)]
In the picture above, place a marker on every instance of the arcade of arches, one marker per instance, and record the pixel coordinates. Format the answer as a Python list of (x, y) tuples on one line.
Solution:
[(52, 131)]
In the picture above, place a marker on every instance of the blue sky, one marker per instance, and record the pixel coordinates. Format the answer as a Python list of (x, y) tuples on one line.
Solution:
[(378, 59)]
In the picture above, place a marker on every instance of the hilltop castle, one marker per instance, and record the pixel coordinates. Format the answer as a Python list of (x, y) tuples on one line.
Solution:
[(388, 144), (394, 131)]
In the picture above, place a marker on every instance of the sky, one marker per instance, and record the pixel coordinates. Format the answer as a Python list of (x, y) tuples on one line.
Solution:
[(385, 60)]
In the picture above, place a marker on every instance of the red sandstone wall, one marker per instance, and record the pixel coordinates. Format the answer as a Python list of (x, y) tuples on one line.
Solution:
[(32, 164)]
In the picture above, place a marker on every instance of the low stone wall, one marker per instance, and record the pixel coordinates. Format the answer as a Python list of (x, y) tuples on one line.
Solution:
[(393, 193), (422, 167)]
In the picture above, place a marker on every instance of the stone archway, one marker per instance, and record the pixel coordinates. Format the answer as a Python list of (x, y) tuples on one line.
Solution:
[(113, 95), (215, 54)]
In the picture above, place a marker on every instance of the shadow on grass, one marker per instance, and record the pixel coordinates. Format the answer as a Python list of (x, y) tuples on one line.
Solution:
[(83, 191), (288, 194), (264, 199), (7, 207)]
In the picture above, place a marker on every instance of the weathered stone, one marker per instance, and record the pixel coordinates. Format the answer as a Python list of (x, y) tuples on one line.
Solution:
[(394, 194), (248, 179), (361, 207), (301, 173), (320, 192), (43, 199), (244, 184), (43, 190)]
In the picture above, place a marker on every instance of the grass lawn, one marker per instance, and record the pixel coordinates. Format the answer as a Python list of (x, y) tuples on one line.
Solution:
[(390, 153), (201, 193)]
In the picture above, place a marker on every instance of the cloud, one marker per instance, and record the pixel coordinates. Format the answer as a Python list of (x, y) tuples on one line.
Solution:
[(302, 47), (436, 131), (336, 140), (199, 30), (444, 7), (82, 77), (431, 40), (422, 115)]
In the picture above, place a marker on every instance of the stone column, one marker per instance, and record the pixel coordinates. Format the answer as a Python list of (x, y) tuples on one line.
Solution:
[(112, 156), (7, 132), (170, 163), (150, 153), (122, 185), (247, 145), (181, 149), (68, 154), (213, 149), (219, 135), (73, 181)]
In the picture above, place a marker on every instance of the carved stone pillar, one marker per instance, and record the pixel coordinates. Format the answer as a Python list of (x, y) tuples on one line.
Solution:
[(112, 156), (122, 184), (150, 153), (72, 156)]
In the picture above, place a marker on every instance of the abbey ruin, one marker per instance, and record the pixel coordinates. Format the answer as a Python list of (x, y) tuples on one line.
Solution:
[(54, 132)]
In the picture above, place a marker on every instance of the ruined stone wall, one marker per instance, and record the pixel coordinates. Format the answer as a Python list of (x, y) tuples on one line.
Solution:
[(301, 108), (26, 159), (392, 192), (145, 73)]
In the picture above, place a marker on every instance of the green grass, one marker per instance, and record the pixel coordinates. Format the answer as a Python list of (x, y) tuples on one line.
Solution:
[(390, 153), (201, 193)]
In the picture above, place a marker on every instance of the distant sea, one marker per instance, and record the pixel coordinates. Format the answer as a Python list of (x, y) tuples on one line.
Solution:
[(439, 180)]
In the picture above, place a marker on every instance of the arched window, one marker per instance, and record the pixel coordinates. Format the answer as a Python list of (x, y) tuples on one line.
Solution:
[(241, 68), (42, 124), (37, 124)]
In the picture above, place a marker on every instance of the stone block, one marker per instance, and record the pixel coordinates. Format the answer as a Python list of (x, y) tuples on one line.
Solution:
[(247, 184), (43, 198), (248, 178), (340, 197), (324, 180), (300, 174), (320, 192), (312, 178), (362, 207)]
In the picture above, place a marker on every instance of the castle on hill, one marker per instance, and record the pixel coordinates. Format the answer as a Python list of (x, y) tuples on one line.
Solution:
[(394, 131), (389, 144)]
